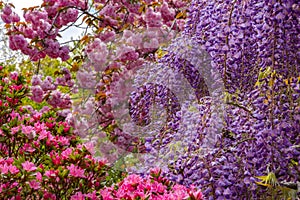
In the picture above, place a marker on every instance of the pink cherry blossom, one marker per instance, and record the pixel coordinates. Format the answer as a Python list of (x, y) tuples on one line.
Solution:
[(86, 79), (37, 93), (152, 18), (6, 18), (97, 53), (7, 10), (167, 13), (18, 41), (64, 53)]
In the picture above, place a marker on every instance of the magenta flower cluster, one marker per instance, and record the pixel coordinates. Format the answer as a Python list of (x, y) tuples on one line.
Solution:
[(152, 187), (37, 36), (47, 89)]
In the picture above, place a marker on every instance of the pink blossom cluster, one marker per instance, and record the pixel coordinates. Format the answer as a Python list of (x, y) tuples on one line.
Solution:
[(136, 32), (59, 100), (38, 131), (153, 19), (130, 49), (8, 16), (156, 14), (110, 14), (97, 54), (86, 79), (36, 36), (166, 14), (53, 8), (48, 88), (6, 166), (14, 86), (152, 187)]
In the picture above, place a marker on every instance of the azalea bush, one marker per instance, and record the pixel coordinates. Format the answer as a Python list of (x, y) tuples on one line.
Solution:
[(40, 155), (154, 186)]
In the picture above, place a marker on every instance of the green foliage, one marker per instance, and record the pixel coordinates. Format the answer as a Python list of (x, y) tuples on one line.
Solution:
[(274, 188)]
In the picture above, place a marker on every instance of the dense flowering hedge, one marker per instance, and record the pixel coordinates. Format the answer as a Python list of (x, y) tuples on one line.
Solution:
[(151, 187), (40, 155)]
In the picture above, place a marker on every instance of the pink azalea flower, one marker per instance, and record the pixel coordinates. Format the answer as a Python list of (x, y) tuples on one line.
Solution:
[(38, 126), (76, 171), (15, 184), (16, 87), (34, 184), (158, 187), (50, 173), (29, 131), (49, 196), (106, 194), (55, 158), (155, 171), (197, 195), (66, 153), (4, 168), (136, 187), (133, 179), (43, 135), (78, 196), (14, 75), (29, 166), (39, 176), (63, 141), (27, 147), (14, 114), (9, 161), (14, 130), (13, 169), (92, 196)]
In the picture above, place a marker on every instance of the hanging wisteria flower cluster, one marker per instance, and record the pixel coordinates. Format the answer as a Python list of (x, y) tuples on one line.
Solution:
[(255, 46)]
